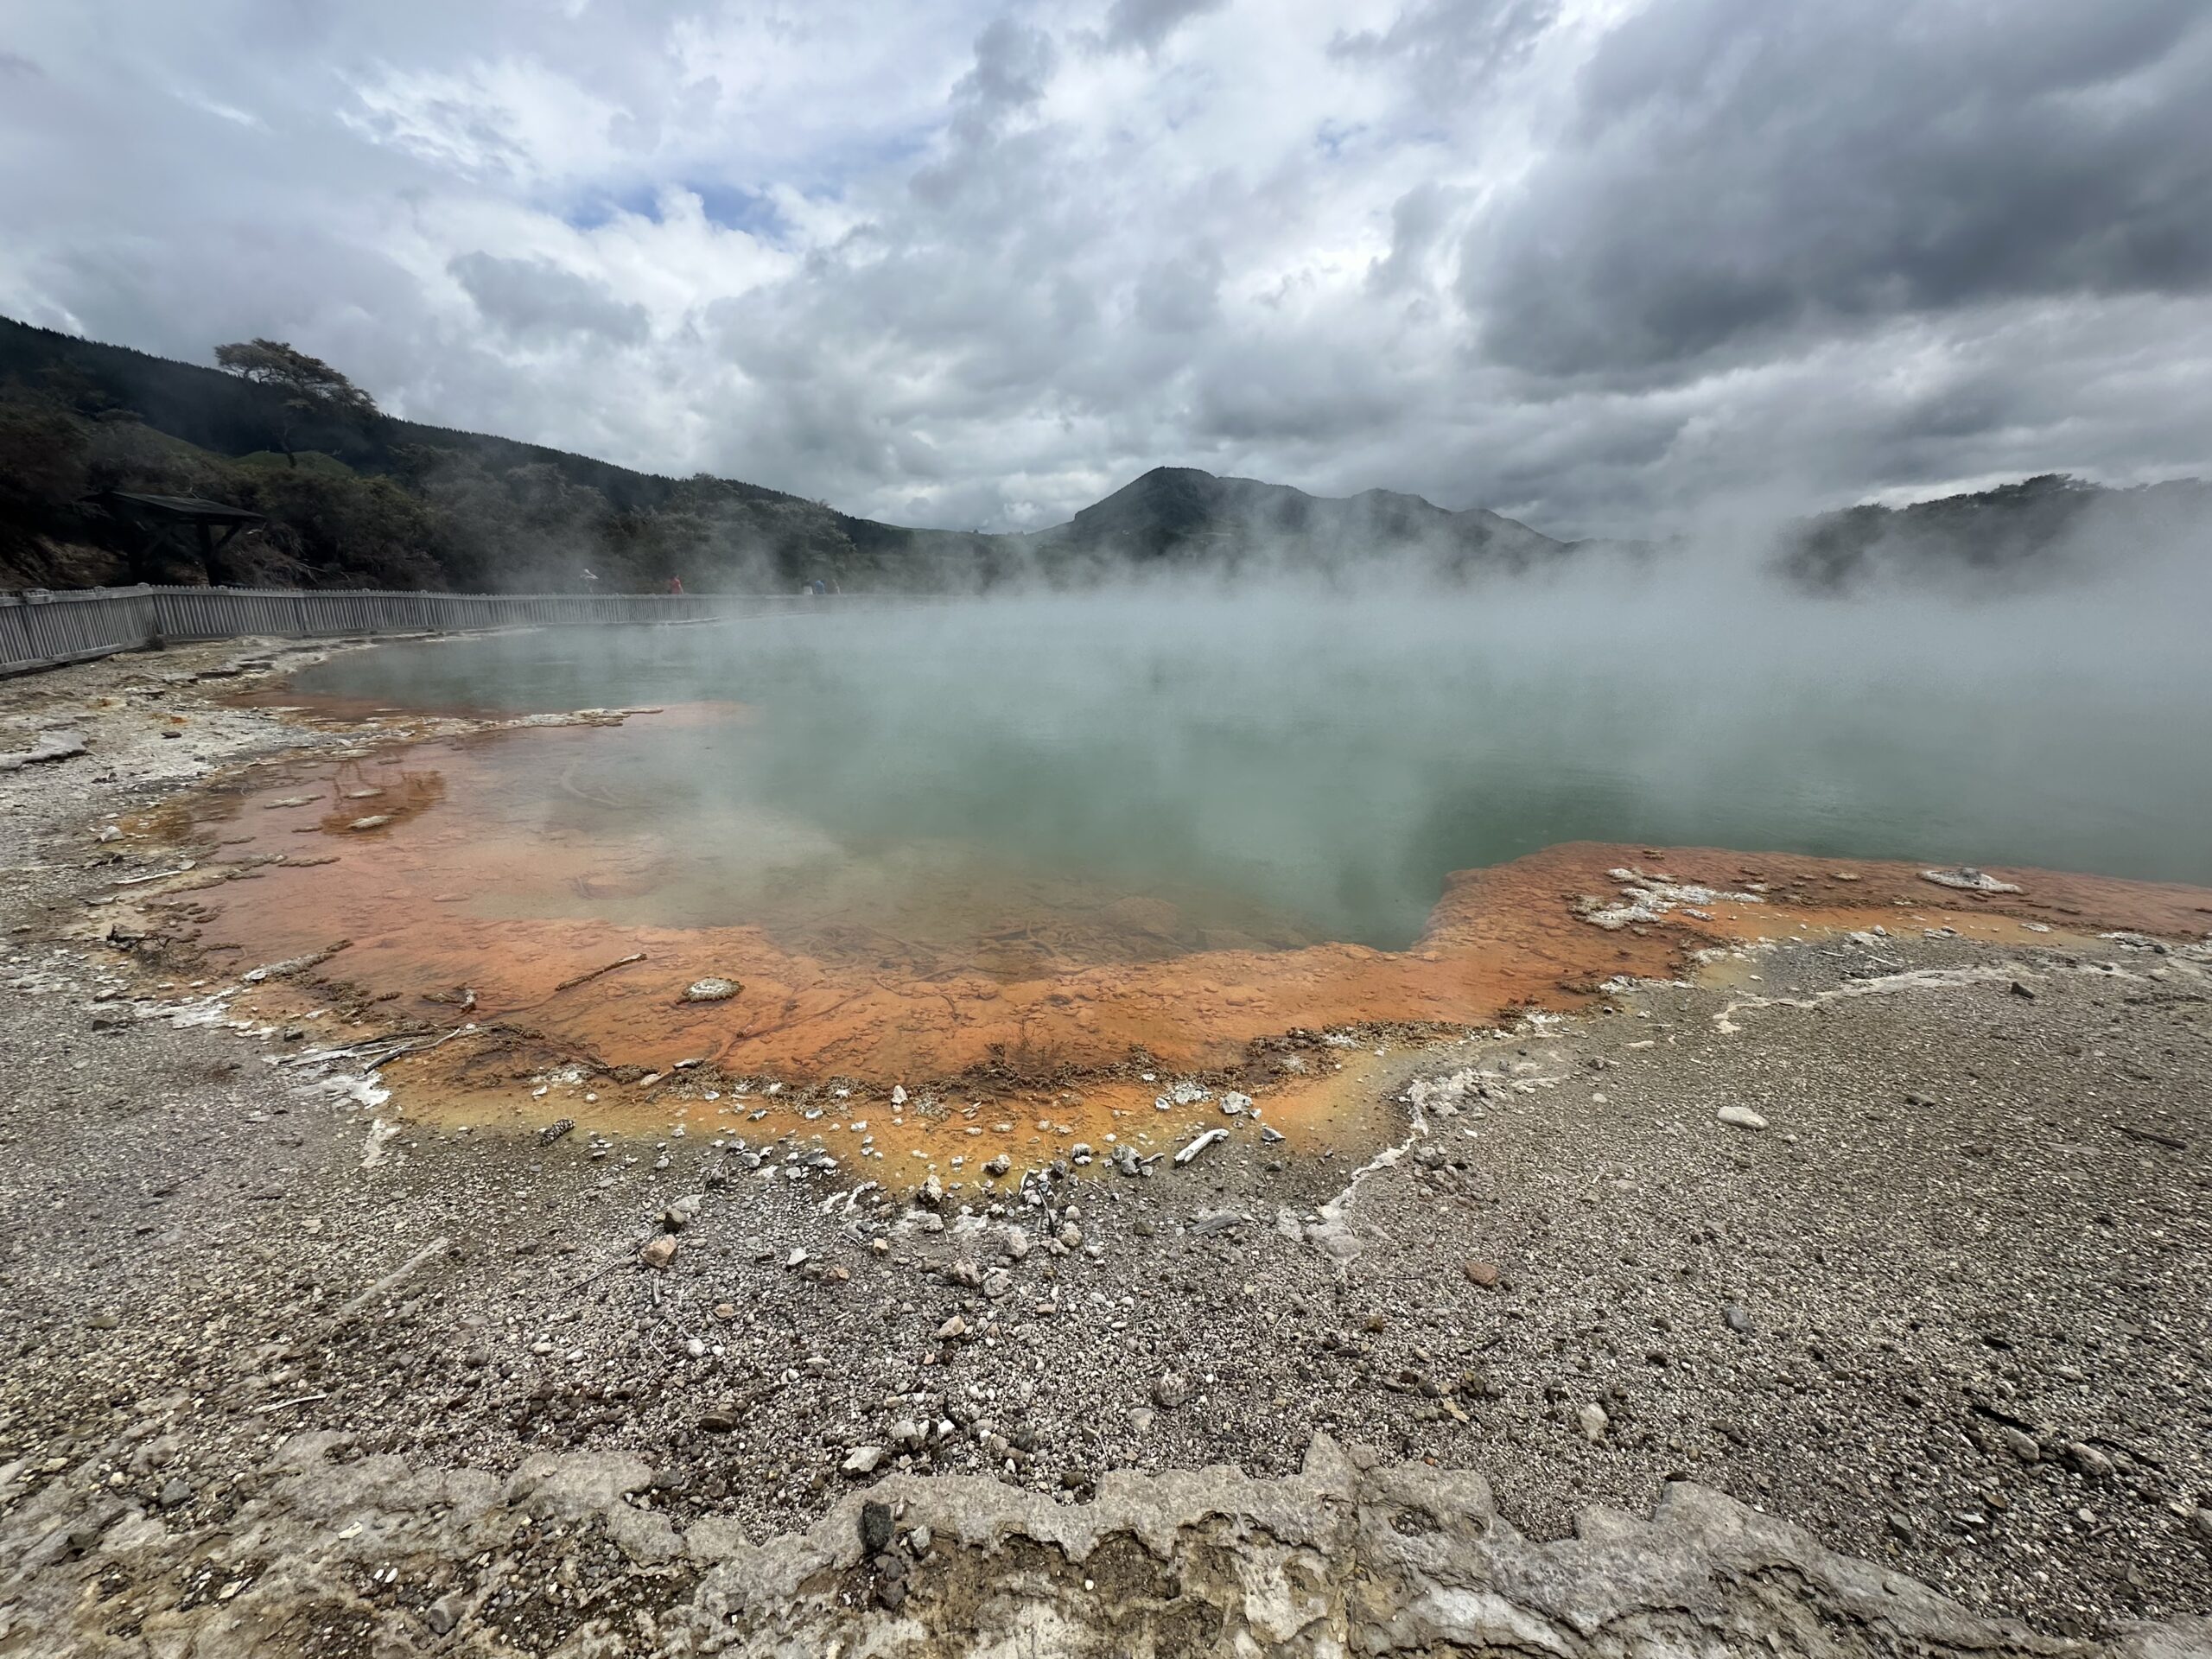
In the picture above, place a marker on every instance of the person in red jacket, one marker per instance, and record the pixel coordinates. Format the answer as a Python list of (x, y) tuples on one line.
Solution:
[(676, 584)]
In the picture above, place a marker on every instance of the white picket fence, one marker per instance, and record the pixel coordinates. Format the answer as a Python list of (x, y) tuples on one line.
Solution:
[(42, 630)]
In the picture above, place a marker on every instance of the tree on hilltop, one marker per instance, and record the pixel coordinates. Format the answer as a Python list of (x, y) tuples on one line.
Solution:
[(309, 385)]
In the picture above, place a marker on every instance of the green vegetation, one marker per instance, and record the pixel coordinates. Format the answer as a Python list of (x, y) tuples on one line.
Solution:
[(306, 388), (313, 461), (356, 499), (2012, 534), (353, 497)]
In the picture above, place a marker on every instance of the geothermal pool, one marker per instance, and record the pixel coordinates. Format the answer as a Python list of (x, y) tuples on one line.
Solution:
[(1278, 772), (1061, 853)]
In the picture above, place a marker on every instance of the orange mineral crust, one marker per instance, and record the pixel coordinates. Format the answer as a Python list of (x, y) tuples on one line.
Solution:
[(545, 926)]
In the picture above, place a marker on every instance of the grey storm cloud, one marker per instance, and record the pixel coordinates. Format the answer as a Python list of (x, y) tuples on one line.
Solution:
[(1181, 296), (1146, 23), (1418, 221), (1451, 45), (1737, 170), (534, 299), (1012, 64), (1593, 263)]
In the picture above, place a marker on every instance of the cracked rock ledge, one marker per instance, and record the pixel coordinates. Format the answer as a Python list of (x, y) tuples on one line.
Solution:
[(373, 1556)]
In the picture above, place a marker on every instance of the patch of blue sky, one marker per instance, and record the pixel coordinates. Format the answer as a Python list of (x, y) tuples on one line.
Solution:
[(1331, 137), (732, 206), (820, 174)]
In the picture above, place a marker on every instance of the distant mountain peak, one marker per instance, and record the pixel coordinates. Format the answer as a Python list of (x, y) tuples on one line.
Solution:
[(393, 503), (1184, 514)]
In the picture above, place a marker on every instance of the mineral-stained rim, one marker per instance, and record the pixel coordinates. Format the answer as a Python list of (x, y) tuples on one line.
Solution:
[(526, 1023)]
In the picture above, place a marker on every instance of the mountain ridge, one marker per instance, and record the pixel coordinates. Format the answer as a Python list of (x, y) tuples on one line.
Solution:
[(1184, 514), (85, 407), (389, 502)]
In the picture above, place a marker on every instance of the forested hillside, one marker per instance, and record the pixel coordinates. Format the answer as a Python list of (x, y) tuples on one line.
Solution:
[(350, 497), (2014, 535), (379, 502), (354, 498)]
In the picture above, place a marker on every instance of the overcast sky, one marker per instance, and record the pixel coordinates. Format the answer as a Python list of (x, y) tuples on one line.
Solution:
[(1593, 265)]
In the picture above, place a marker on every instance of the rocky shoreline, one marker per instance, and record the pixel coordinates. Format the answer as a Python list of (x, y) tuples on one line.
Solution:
[(1898, 1242)]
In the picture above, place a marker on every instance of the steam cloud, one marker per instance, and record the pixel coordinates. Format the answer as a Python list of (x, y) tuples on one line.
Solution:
[(1324, 753)]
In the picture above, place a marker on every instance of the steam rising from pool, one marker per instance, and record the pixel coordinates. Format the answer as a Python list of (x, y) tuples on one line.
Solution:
[(1285, 764)]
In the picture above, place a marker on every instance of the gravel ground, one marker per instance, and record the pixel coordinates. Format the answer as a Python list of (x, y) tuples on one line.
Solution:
[(1946, 1311)]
